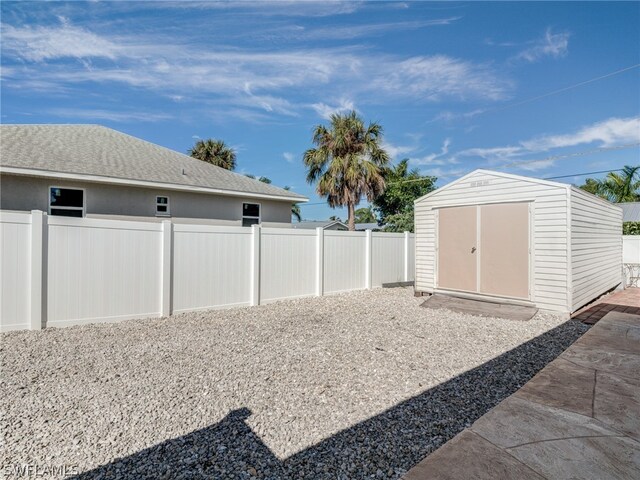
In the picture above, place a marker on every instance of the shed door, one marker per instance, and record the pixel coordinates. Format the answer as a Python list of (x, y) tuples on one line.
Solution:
[(504, 249), (457, 259), (484, 249)]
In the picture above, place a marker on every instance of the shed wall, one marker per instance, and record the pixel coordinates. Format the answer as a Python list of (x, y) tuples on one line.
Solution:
[(596, 247), (549, 265)]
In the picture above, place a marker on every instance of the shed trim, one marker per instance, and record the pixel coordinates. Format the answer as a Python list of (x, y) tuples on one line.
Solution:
[(569, 256)]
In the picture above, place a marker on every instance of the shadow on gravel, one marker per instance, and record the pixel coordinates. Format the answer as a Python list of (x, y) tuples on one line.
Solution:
[(384, 446)]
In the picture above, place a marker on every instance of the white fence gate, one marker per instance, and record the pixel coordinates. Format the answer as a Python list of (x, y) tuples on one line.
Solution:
[(631, 260), (58, 271)]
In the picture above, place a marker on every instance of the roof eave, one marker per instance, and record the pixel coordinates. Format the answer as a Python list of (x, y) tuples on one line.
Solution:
[(144, 183)]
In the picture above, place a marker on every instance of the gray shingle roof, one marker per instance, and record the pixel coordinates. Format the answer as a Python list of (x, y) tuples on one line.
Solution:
[(101, 151), (630, 211), (310, 224)]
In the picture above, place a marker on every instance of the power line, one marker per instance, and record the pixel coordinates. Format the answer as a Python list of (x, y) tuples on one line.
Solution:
[(584, 174), (560, 90), (576, 154)]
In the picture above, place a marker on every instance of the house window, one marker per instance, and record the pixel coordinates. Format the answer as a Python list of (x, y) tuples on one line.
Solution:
[(250, 214), (66, 202), (162, 206)]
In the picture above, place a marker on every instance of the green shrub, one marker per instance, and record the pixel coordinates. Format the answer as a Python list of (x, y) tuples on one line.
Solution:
[(631, 228)]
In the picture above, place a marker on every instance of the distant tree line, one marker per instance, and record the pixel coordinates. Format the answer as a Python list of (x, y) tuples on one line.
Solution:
[(347, 164)]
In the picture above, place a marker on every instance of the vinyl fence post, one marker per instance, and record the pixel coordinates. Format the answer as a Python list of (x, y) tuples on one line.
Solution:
[(38, 286), (255, 265), (319, 262), (406, 256), (367, 260), (167, 266)]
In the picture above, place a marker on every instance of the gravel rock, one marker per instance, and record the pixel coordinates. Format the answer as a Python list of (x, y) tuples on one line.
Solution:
[(357, 385)]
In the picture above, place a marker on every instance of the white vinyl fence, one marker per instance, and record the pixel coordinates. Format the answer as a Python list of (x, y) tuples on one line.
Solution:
[(631, 260), (58, 271)]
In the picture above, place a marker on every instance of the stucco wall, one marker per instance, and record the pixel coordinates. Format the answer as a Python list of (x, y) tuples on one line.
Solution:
[(114, 201)]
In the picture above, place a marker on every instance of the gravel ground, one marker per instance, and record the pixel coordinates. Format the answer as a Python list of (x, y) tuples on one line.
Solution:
[(358, 385)]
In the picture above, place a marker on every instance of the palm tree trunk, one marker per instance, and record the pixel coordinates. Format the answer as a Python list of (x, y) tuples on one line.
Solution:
[(352, 216)]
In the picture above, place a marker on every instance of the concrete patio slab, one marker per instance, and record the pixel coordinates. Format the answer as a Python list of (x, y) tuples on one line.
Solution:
[(579, 417), (625, 364), (617, 403), (480, 308), (614, 337), (562, 384), (471, 456), (593, 458), (516, 422)]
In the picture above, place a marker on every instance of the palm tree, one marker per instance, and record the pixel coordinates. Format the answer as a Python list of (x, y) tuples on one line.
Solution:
[(347, 162), (617, 187), (295, 209), (215, 152)]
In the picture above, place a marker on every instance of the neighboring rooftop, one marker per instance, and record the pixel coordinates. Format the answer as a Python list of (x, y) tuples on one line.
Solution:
[(368, 226), (630, 211), (326, 224), (102, 152)]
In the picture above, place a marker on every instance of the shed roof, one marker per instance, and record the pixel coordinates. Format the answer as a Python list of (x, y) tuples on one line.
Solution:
[(497, 174), (107, 154)]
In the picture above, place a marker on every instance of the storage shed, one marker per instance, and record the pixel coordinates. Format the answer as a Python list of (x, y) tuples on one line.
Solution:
[(520, 240)]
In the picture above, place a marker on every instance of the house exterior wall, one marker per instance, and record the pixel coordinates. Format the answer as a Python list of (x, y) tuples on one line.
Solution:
[(596, 247), (23, 193), (549, 230)]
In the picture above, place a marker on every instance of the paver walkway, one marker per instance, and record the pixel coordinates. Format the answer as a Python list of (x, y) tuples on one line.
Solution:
[(626, 301), (579, 417)]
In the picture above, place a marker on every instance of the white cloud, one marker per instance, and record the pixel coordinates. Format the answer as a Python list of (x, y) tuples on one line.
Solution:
[(607, 133), (349, 32), (436, 158), (325, 111), (44, 43), (445, 173), (113, 116), (448, 116), (613, 131), (293, 8), (537, 165), (555, 45), (251, 83), (396, 151), (439, 76), (289, 157)]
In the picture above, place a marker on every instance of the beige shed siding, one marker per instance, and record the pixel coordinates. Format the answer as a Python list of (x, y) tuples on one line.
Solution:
[(549, 216), (596, 247)]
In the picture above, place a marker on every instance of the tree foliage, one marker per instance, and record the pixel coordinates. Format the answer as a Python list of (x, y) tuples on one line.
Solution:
[(215, 152), (260, 179), (631, 228), (347, 162), (295, 208), (403, 186), (365, 215), (617, 187)]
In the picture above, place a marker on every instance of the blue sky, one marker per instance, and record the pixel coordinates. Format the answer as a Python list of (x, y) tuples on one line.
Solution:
[(455, 85)]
